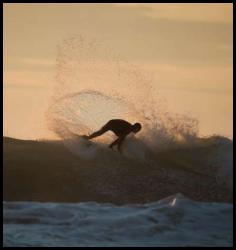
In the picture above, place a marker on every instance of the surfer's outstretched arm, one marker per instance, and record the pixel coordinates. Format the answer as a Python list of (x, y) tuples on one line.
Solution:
[(103, 130), (95, 134)]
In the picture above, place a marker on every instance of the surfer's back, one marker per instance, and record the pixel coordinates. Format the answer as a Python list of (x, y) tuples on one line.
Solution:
[(119, 126)]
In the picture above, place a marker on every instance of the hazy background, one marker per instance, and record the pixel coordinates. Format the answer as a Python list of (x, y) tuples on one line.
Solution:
[(187, 48)]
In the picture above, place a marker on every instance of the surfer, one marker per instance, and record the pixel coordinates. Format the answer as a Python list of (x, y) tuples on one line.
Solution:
[(120, 128)]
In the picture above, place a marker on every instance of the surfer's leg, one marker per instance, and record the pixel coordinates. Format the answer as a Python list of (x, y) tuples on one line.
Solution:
[(117, 142), (121, 139), (114, 143)]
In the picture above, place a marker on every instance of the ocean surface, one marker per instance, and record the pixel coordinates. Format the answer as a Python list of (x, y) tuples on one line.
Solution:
[(173, 221)]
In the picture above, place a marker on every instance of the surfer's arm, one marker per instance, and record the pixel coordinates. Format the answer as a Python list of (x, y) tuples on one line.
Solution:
[(98, 133)]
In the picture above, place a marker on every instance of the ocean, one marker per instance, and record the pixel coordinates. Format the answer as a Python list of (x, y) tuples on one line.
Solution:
[(174, 221)]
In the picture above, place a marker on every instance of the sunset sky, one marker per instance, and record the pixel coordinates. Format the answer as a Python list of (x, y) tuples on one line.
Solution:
[(187, 48)]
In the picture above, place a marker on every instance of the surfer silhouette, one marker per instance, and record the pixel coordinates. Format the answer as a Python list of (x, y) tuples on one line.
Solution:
[(120, 128)]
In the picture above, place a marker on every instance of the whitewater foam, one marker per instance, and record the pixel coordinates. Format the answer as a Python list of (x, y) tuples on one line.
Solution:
[(173, 221)]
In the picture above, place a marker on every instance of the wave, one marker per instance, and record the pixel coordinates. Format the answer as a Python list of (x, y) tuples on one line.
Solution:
[(169, 137), (94, 85), (49, 171), (173, 221)]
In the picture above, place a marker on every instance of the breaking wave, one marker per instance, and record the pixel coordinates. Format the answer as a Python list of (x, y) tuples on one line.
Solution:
[(94, 85)]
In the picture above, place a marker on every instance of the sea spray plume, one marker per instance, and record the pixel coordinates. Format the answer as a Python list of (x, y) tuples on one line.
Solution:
[(77, 114), (88, 109), (84, 63)]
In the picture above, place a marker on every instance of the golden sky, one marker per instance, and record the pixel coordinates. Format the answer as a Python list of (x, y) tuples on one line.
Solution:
[(187, 48)]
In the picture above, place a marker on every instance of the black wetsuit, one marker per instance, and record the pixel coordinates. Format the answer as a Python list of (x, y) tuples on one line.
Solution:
[(119, 127)]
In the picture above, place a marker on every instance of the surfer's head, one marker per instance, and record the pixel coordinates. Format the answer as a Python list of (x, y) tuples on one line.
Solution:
[(136, 127)]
